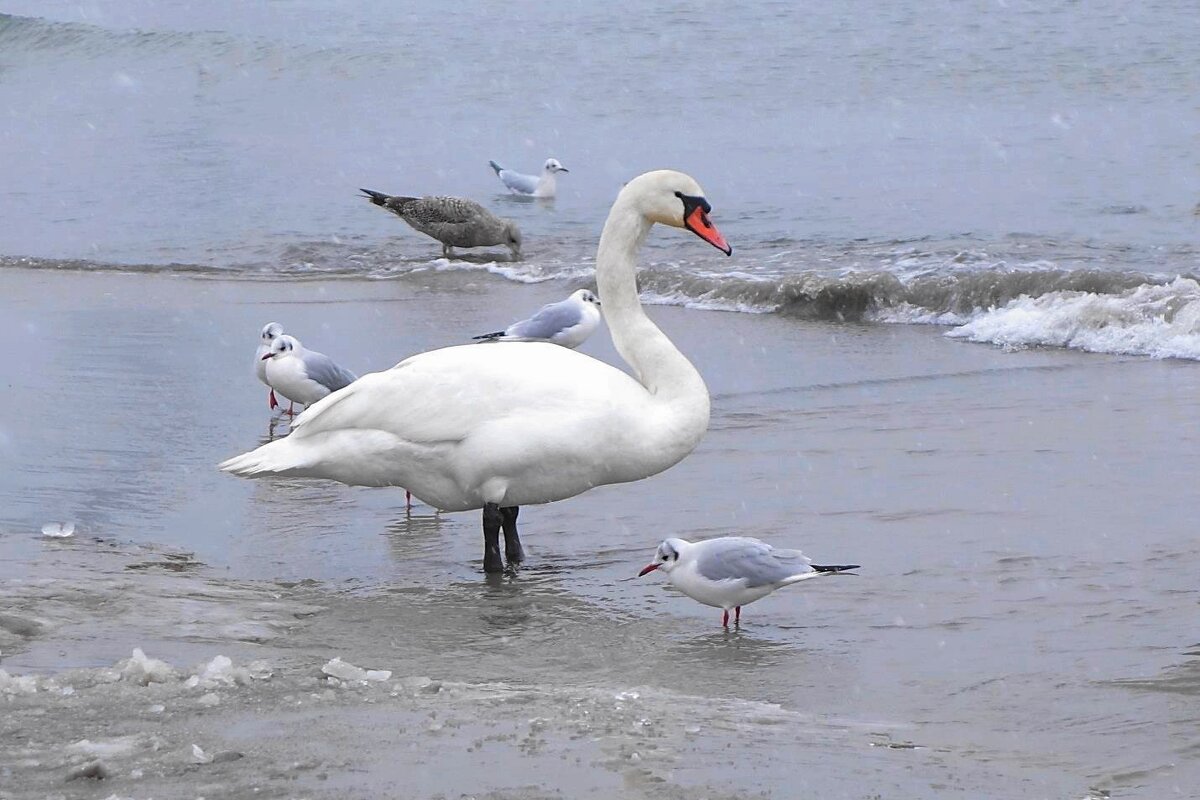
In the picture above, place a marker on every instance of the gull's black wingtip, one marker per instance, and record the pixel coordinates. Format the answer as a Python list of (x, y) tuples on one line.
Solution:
[(834, 567), (489, 336)]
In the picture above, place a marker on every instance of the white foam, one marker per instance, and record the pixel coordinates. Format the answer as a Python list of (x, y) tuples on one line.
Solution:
[(527, 272), (1156, 320), (909, 314)]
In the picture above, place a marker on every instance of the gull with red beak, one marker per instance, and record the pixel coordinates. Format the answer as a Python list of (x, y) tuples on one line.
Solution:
[(270, 332), (733, 571), (301, 375)]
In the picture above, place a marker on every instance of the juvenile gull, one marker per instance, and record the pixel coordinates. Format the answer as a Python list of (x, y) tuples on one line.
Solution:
[(495, 428), (453, 221), (568, 322), (270, 332), (732, 571), (301, 375), (536, 185)]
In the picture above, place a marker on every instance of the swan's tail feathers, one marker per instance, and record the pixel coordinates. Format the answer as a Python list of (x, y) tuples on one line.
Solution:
[(274, 458), (829, 569), (491, 337), (496, 167)]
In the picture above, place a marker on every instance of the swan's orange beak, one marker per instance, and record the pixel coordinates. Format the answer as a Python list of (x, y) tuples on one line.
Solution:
[(698, 223), (651, 567)]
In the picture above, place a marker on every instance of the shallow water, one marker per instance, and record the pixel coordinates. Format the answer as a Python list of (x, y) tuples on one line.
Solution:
[(1027, 568), (176, 175)]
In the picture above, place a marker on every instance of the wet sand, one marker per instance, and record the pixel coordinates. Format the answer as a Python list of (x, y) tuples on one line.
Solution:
[(1019, 627)]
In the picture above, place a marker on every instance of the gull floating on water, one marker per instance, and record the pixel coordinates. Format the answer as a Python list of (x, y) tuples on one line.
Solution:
[(733, 571), (453, 221), (543, 185), (568, 322), (270, 332), (495, 428), (301, 375)]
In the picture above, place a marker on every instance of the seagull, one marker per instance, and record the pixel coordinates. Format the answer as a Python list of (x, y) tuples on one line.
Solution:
[(301, 375), (495, 428), (453, 221), (536, 185), (270, 332), (733, 571), (568, 322)]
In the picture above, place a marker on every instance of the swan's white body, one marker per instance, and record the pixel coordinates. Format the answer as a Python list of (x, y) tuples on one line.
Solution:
[(517, 423)]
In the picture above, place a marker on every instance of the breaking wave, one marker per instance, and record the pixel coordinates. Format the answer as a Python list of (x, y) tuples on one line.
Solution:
[(1035, 293)]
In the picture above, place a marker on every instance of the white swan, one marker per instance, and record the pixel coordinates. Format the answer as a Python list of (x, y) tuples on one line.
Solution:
[(510, 424)]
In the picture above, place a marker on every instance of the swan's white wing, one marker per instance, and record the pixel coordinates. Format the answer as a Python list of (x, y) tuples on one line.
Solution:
[(446, 395)]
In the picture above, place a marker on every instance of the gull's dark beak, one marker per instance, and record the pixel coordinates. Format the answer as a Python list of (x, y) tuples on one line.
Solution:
[(264, 358), (648, 569)]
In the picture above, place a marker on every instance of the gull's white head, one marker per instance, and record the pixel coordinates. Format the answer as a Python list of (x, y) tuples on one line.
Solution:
[(552, 165), (271, 331), (666, 557), (673, 198), (586, 296), (281, 346)]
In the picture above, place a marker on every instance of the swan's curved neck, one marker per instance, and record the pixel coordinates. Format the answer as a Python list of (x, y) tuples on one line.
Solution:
[(656, 362)]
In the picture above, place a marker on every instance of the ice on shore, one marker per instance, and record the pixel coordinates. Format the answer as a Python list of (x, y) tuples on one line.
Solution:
[(220, 672), (336, 668), (58, 530), (17, 684), (144, 671)]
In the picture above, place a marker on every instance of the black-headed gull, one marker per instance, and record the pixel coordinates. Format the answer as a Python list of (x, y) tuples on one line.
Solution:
[(301, 375), (270, 332), (543, 185), (568, 322), (453, 221), (733, 571)]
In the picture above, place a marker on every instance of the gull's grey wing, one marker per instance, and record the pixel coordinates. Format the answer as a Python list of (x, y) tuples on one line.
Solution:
[(518, 182), (549, 320), (320, 368), (743, 558)]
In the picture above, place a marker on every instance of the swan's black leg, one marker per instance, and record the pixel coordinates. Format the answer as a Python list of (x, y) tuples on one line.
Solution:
[(513, 552), (492, 519)]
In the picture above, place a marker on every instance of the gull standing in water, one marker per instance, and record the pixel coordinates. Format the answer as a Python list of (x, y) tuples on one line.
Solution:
[(496, 428), (568, 322), (270, 332), (301, 375), (733, 571), (453, 221), (543, 185)]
